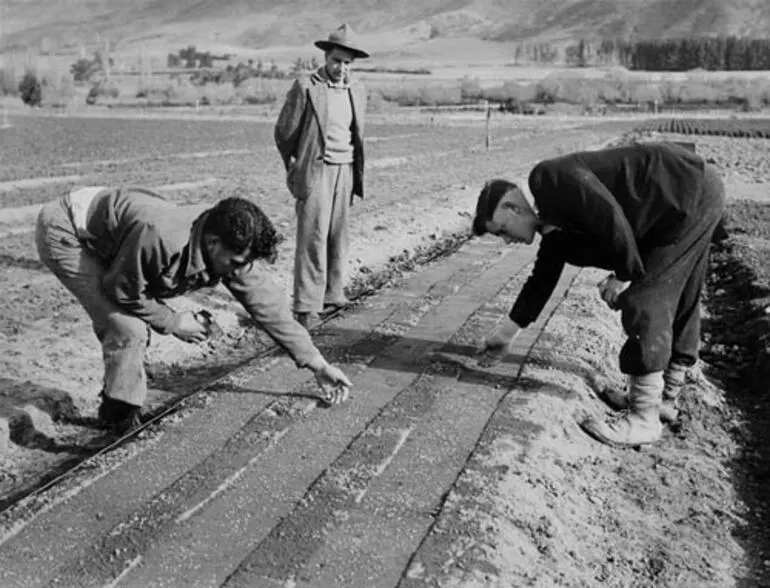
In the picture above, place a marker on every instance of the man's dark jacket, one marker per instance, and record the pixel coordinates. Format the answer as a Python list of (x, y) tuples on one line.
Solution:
[(611, 208)]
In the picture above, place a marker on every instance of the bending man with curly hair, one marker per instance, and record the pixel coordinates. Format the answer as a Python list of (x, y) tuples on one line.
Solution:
[(122, 251)]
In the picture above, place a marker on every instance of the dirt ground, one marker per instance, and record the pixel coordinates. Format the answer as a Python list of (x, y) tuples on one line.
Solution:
[(538, 503), (546, 509), (49, 360)]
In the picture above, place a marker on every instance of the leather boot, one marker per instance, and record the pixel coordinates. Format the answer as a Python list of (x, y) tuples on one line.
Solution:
[(123, 418), (640, 424), (673, 378)]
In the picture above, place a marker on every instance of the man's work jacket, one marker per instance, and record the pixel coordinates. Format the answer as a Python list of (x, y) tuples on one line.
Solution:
[(300, 134), (152, 250), (611, 207)]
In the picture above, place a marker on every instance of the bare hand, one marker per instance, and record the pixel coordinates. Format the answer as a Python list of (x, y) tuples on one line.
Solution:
[(187, 328), (610, 289), (333, 383), (498, 344)]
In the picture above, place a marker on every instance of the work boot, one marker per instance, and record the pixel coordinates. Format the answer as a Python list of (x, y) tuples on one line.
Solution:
[(673, 378), (640, 424), (122, 417)]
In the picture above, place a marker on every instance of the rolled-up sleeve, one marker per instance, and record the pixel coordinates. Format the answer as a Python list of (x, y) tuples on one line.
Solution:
[(140, 260), (268, 305)]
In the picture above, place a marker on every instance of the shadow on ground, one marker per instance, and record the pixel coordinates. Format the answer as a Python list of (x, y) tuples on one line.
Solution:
[(738, 346)]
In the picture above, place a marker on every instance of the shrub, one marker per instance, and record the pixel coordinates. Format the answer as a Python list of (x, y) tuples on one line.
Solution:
[(101, 90), (30, 90), (256, 91), (437, 96), (511, 92), (83, 69), (577, 91), (218, 93), (548, 90), (180, 91)]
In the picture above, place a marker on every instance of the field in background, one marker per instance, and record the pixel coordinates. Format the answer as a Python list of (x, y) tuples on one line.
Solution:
[(146, 81)]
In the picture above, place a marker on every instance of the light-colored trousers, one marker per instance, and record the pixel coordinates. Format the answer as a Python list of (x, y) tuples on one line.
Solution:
[(123, 336), (321, 254)]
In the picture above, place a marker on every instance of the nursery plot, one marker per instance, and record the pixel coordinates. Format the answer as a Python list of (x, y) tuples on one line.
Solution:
[(737, 127), (436, 473), (411, 204)]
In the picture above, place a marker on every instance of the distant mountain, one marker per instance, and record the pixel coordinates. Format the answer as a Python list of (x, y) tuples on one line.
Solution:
[(69, 24)]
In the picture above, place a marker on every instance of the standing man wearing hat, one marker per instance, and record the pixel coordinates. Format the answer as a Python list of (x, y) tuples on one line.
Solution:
[(319, 134)]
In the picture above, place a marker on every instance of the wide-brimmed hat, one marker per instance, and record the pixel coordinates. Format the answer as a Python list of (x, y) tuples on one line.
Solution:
[(343, 37)]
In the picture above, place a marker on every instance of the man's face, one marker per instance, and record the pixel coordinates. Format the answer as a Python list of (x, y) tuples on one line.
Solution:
[(338, 64), (222, 262), (513, 222)]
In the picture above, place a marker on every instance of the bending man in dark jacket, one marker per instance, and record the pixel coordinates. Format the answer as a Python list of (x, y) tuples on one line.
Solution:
[(645, 212), (121, 251)]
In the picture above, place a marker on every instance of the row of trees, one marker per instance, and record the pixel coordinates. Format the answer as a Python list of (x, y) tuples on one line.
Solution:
[(710, 53), (718, 53), (616, 88), (189, 57), (237, 74)]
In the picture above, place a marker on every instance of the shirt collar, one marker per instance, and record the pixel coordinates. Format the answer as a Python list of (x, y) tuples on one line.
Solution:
[(196, 261), (321, 76)]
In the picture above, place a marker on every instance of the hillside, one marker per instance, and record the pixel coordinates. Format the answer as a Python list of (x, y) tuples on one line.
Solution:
[(388, 25)]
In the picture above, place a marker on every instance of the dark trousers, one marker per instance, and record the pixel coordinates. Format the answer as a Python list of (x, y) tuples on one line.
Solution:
[(661, 312)]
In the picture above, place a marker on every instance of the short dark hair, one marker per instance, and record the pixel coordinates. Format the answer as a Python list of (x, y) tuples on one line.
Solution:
[(489, 198), (242, 226)]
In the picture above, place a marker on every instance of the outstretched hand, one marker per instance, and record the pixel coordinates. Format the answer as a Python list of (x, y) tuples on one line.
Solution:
[(497, 344), (334, 385), (610, 289), (188, 328)]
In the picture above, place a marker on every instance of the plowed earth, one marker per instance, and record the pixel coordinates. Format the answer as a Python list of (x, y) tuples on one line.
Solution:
[(437, 472)]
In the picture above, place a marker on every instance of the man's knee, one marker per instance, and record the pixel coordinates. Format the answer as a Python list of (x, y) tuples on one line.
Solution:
[(121, 331)]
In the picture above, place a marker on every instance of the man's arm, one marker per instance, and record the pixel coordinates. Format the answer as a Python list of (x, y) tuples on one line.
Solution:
[(141, 258), (289, 124), (541, 283), (578, 200), (530, 301), (268, 305)]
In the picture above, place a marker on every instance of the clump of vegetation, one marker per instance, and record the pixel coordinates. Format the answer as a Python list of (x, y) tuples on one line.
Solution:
[(46, 89), (30, 89), (419, 71), (103, 89), (84, 69), (189, 57), (724, 53)]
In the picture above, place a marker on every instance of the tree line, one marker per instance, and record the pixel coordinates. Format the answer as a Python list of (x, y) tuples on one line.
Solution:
[(724, 53)]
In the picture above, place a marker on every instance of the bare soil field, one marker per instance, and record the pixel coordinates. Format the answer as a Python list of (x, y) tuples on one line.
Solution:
[(422, 184), (532, 502)]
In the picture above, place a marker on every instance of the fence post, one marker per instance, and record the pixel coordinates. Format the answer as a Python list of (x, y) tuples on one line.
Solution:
[(488, 141)]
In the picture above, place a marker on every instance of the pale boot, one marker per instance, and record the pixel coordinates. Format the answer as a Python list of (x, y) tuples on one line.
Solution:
[(640, 424), (673, 378)]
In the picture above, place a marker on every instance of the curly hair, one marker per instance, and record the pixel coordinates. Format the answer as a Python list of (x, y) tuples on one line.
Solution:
[(489, 198), (242, 226)]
